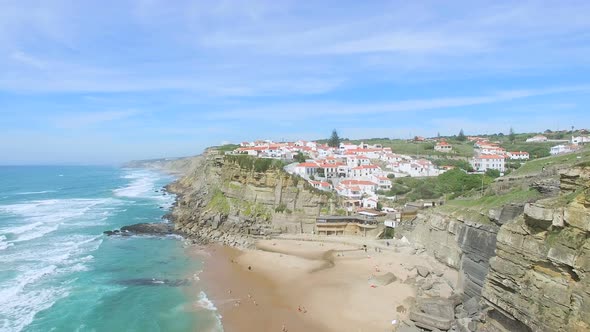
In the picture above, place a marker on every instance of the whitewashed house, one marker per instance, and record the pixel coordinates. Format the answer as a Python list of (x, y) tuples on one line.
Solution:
[(580, 140), (518, 155), (364, 171), (484, 162), (443, 147), (562, 148), (306, 169), (537, 138)]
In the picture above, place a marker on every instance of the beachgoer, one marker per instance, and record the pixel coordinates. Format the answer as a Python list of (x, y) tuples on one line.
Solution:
[(387, 243)]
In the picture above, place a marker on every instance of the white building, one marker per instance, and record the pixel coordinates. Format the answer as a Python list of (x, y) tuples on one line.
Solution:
[(538, 138), (518, 155), (369, 203), (364, 171), (562, 148), (580, 140), (383, 182), (443, 147), (321, 185), (306, 169), (367, 187), (484, 162)]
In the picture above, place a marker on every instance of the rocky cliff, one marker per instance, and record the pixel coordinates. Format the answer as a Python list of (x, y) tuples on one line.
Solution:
[(540, 277), (524, 267), (218, 200), (465, 243)]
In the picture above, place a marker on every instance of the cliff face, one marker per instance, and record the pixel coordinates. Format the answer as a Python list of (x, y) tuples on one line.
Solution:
[(541, 273), (457, 241), (220, 201)]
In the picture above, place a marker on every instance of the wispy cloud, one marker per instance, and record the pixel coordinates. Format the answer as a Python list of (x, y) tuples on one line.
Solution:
[(292, 111), (86, 119)]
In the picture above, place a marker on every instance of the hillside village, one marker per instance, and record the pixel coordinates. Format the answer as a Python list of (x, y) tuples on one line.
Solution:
[(360, 172)]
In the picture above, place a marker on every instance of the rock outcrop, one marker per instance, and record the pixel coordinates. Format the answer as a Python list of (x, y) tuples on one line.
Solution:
[(157, 229), (456, 241), (220, 201), (539, 279)]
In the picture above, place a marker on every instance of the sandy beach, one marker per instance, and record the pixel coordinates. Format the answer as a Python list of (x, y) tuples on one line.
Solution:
[(294, 285)]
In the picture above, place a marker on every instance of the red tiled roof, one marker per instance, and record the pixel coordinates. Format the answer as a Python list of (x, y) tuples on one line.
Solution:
[(358, 182), (308, 165), (366, 167), (489, 156)]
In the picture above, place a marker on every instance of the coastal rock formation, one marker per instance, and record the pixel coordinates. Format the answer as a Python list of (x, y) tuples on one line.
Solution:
[(539, 279), (456, 241), (144, 229), (220, 201)]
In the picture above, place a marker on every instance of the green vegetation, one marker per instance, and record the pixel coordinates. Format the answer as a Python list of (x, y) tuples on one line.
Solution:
[(227, 147), (461, 137), (300, 157), (451, 184), (388, 233), (219, 202), (400, 146), (535, 150), (282, 208), (493, 173), (536, 166), (483, 204), (334, 140), (256, 211), (459, 163), (511, 135), (256, 164)]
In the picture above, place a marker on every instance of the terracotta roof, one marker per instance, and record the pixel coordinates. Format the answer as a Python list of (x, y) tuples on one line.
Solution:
[(358, 182), (366, 167), (489, 156), (308, 165)]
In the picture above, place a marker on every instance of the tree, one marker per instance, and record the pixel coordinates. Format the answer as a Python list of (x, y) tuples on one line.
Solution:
[(493, 173), (300, 157), (461, 137), (511, 135), (334, 140)]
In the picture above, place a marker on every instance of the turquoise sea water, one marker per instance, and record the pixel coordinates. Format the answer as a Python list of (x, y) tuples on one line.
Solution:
[(59, 273)]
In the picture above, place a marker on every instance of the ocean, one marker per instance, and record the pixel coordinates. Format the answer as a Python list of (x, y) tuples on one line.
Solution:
[(58, 272)]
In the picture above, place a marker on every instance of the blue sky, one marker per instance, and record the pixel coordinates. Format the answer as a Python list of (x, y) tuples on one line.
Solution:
[(109, 81)]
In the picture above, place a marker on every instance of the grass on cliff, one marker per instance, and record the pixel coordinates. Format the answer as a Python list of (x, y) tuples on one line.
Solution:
[(401, 146), (536, 166), (226, 147), (492, 201), (219, 202), (251, 163)]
